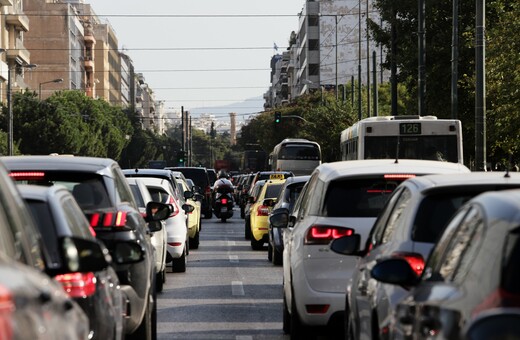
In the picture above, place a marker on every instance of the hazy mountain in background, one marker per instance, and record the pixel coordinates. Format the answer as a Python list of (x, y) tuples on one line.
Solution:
[(244, 109)]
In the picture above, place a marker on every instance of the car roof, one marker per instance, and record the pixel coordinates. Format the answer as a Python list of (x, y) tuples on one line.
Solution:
[(439, 181), (76, 163), (297, 179), (330, 171), (500, 205)]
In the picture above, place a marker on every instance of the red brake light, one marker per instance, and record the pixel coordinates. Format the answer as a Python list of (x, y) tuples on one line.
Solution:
[(78, 284), (399, 176), (323, 234), (26, 175), (108, 219), (415, 260), (262, 210), (176, 209), (6, 309), (223, 201)]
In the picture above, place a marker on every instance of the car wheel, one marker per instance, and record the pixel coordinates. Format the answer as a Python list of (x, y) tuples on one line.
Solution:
[(297, 330), (145, 331), (179, 264), (277, 257), (256, 245), (159, 281), (194, 242), (247, 229), (286, 317), (269, 252)]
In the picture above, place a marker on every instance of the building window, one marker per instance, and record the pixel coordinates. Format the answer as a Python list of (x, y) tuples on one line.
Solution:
[(314, 44), (314, 69), (314, 20)]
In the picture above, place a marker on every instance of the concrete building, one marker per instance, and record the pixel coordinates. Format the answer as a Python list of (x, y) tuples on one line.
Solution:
[(14, 24), (327, 50)]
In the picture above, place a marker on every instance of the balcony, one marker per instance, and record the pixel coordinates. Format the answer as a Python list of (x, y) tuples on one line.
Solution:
[(6, 2), (19, 53), (89, 63), (20, 21)]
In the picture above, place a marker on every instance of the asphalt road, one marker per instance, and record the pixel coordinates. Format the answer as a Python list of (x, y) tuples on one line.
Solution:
[(228, 291)]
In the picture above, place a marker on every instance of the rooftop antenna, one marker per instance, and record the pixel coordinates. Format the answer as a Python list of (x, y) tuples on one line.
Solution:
[(508, 166)]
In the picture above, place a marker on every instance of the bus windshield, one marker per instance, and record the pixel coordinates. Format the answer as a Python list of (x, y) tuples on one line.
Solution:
[(439, 148), (299, 152)]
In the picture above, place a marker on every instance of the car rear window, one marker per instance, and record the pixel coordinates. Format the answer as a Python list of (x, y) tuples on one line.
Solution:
[(357, 197), (273, 190), (199, 176), (159, 195), (43, 216), (137, 195), (434, 213)]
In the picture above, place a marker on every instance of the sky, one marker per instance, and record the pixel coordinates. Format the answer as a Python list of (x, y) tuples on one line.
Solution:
[(202, 54)]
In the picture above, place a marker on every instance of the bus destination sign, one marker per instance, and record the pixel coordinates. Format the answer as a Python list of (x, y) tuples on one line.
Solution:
[(410, 128)]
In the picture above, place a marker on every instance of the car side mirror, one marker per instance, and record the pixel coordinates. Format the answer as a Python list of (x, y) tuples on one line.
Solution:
[(188, 208), (188, 194), (156, 211), (196, 189), (269, 202), (127, 253), (279, 218), (395, 270), (346, 245), (155, 226), (82, 255)]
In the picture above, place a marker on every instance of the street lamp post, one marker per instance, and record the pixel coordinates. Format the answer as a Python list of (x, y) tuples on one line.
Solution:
[(57, 80), (10, 107)]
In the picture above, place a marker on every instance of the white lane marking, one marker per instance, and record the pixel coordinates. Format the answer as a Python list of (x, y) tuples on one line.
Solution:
[(231, 243), (244, 337), (233, 258), (237, 288)]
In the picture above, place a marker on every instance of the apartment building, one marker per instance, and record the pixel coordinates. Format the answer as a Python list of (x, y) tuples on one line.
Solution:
[(14, 56), (327, 50)]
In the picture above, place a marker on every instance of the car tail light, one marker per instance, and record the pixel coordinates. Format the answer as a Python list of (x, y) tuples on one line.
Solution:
[(175, 244), (416, 261), (323, 234), (111, 219), (496, 299), (208, 191), (176, 210), (27, 175), (78, 284), (223, 201), (399, 176), (262, 210), (6, 310)]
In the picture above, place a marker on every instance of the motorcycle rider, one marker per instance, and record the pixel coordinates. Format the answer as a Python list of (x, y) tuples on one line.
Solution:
[(223, 188)]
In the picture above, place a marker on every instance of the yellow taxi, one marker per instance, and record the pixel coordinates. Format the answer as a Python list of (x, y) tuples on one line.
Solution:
[(194, 217), (260, 211)]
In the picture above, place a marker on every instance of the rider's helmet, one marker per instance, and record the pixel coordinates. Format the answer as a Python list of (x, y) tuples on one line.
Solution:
[(222, 174)]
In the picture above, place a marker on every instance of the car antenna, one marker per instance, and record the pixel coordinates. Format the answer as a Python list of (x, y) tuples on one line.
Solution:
[(397, 151), (136, 170)]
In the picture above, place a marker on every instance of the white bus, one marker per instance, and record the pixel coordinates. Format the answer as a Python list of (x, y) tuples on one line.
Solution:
[(300, 156), (404, 137)]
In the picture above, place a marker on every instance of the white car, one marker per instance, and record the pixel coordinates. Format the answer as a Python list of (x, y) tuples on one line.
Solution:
[(176, 228), (142, 197), (194, 217), (340, 198)]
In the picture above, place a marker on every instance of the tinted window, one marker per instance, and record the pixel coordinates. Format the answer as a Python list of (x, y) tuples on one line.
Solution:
[(199, 176), (137, 195), (273, 190), (433, 214), (45, 223), (159, 195), (357, 197), (299, 152)]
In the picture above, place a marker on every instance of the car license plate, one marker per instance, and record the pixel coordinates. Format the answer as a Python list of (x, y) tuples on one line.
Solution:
[(223, 209)]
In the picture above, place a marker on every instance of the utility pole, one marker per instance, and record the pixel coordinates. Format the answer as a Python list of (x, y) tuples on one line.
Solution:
[(374, 86), (422, 54), (455, 60), (393, 66), (480, 90), (360, 114), (368, 63)]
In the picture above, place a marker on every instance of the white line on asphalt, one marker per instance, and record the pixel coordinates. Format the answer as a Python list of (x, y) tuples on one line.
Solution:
[(233, 258), (231, 243), (237, 288), (244, 337)]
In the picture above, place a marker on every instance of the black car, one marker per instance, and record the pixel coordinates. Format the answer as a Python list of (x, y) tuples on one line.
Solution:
[(33, 306), (290, 191), (473, 269), (57, 215), (102, 192), (200, 177)]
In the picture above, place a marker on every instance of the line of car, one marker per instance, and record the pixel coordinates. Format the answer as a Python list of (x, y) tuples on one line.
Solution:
[(384, 249), (84, 248)]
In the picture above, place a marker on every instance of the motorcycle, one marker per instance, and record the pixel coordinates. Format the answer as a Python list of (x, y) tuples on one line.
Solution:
[(223, 199)]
